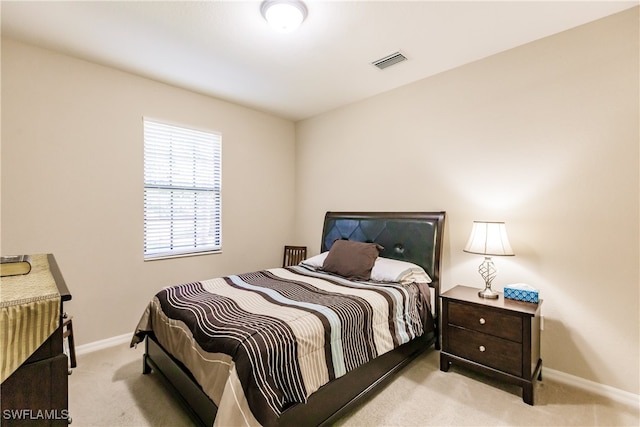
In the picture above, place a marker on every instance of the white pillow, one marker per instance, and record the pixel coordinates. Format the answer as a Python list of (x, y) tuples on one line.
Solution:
[(315, 261), (384, 270), (391, 270)]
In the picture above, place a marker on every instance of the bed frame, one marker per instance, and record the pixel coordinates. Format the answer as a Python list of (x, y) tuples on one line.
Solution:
[(409, 236)]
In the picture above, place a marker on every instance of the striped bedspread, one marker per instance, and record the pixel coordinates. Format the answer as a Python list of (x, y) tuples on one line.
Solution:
[(284, 332)]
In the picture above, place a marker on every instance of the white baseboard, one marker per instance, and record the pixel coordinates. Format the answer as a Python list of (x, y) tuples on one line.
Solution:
[(102, 344), (612, 393), (591, 386)]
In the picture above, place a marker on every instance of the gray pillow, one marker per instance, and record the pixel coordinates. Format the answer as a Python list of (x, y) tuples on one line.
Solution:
[(353, 260)]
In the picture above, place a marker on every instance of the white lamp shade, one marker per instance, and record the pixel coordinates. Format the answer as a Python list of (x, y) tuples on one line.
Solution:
[(284, 15), (489, 238)]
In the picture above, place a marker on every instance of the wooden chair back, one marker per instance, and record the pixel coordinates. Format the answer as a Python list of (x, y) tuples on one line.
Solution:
[(293, 255)]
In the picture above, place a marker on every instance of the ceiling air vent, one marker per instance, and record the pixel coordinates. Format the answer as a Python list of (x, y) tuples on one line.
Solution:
[(388, 61)]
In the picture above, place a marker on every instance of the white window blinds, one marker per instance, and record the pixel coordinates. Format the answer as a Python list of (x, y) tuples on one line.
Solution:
[(182, 190)]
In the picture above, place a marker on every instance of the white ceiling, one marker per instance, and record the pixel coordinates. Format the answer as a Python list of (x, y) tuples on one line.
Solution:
[(225, 49)]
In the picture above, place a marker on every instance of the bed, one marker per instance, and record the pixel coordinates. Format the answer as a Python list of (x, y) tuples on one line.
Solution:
[(301, 345)]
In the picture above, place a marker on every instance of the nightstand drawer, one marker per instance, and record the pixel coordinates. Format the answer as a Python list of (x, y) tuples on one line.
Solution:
[(487, 321), (488, 350)]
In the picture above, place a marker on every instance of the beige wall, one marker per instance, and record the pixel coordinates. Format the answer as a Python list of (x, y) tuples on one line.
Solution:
[(544, 137), (72, 156)]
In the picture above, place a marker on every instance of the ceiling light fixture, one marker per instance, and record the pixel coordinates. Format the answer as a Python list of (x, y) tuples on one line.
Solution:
[(284, 15)]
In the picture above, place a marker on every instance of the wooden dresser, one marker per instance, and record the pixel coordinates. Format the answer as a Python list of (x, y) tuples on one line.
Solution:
[(498, 337), (36, 394)]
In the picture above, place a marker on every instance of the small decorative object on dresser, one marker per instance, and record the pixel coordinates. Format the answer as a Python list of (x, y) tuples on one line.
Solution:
[(15, 265), (488, 239), (500, 338)]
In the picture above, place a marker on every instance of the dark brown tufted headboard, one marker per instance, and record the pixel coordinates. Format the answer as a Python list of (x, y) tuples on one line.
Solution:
[(408, 236)]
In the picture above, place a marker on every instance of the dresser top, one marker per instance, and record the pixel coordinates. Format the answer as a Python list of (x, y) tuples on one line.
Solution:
[(31, 306), (470, 295)]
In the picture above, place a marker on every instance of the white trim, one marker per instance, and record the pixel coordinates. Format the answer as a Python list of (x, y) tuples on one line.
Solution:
[(612, 393), (102, 344)]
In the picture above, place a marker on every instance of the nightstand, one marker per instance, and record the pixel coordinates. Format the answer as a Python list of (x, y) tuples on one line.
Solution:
[(500, 338)]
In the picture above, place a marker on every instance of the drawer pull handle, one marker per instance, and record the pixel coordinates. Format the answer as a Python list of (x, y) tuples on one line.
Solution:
[(482, 321), (482, 348)]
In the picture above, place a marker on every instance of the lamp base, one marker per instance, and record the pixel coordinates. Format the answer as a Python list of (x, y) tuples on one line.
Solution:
[(488, 293)]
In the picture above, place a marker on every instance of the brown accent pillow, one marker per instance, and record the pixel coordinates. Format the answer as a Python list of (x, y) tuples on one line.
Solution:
[(353, 260)]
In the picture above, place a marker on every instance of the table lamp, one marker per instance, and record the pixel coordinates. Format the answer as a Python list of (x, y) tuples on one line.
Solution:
[(488, 239)]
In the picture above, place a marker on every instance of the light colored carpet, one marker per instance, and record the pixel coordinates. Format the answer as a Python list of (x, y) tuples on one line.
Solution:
[(108, 389)]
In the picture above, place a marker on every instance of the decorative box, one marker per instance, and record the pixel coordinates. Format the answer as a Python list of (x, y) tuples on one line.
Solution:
[(521, 292)]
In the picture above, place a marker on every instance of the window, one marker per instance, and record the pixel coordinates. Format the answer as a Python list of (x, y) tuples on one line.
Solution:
[(182, 191)]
